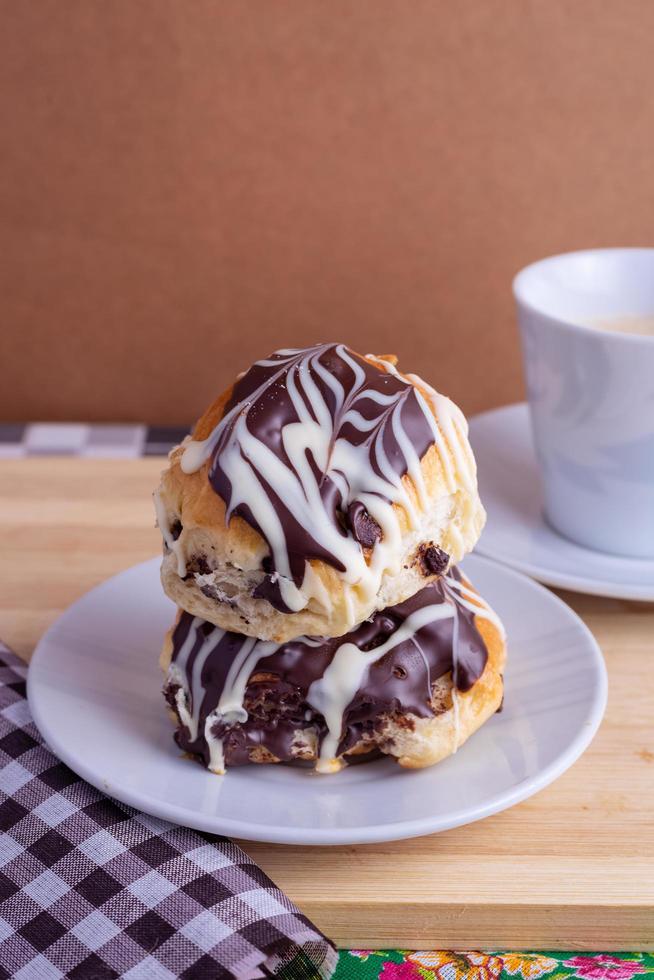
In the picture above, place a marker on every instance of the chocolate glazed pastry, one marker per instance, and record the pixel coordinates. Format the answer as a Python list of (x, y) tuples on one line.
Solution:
[(390, 684), (368, 410), (311, 490)]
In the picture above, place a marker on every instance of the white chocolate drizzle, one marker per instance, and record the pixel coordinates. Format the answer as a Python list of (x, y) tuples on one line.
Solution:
[(321, 412), (330, 694), (169, 540)]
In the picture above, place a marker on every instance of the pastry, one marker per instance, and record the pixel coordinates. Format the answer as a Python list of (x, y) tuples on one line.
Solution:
[(321, 487), (413, 682)]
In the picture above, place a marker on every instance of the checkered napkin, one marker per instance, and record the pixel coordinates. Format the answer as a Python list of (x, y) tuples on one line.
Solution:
[(92, 890)]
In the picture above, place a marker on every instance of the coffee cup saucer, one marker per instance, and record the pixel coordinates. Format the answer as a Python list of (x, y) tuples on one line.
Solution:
[(516, 531)]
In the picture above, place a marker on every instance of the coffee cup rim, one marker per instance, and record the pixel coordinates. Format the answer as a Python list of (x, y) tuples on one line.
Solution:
[(518, 288)]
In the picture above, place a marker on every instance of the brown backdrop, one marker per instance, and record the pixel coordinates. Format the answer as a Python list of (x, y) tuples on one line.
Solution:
[(188, 184)]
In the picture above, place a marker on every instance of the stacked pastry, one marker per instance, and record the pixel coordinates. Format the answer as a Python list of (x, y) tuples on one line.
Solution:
[(311, 527)]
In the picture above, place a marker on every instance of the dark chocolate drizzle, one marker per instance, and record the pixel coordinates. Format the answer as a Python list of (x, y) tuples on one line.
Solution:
[(269, 589), (262, 395), (399, 683)]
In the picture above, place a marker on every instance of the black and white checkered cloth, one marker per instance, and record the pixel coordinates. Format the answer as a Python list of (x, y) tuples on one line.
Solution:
[(78, 439), (93, 890)]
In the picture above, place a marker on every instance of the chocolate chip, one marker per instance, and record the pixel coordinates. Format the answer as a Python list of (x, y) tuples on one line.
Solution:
[(197, 565), (365, 528), (213, 592), (176, 529), (404, 721), (433, 560)]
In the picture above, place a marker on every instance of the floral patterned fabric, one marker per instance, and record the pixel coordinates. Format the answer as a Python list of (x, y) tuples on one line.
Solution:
[(395, 964)]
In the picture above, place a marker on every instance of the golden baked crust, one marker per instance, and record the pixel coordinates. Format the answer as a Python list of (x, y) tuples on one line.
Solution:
[(221, 563)]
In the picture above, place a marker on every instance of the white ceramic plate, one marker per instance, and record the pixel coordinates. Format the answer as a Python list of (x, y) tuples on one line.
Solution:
[(94, 689), (516, 532)]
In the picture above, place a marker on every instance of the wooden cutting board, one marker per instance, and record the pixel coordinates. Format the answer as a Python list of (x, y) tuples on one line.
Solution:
[(571, 868)]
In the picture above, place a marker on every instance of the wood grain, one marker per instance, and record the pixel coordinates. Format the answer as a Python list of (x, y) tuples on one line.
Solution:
[(571, 868)]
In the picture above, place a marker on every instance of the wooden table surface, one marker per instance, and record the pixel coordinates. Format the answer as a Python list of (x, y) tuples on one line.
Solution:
[(571, 868)]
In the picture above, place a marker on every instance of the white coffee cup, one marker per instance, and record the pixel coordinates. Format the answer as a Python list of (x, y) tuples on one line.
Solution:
[(591, 394)]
